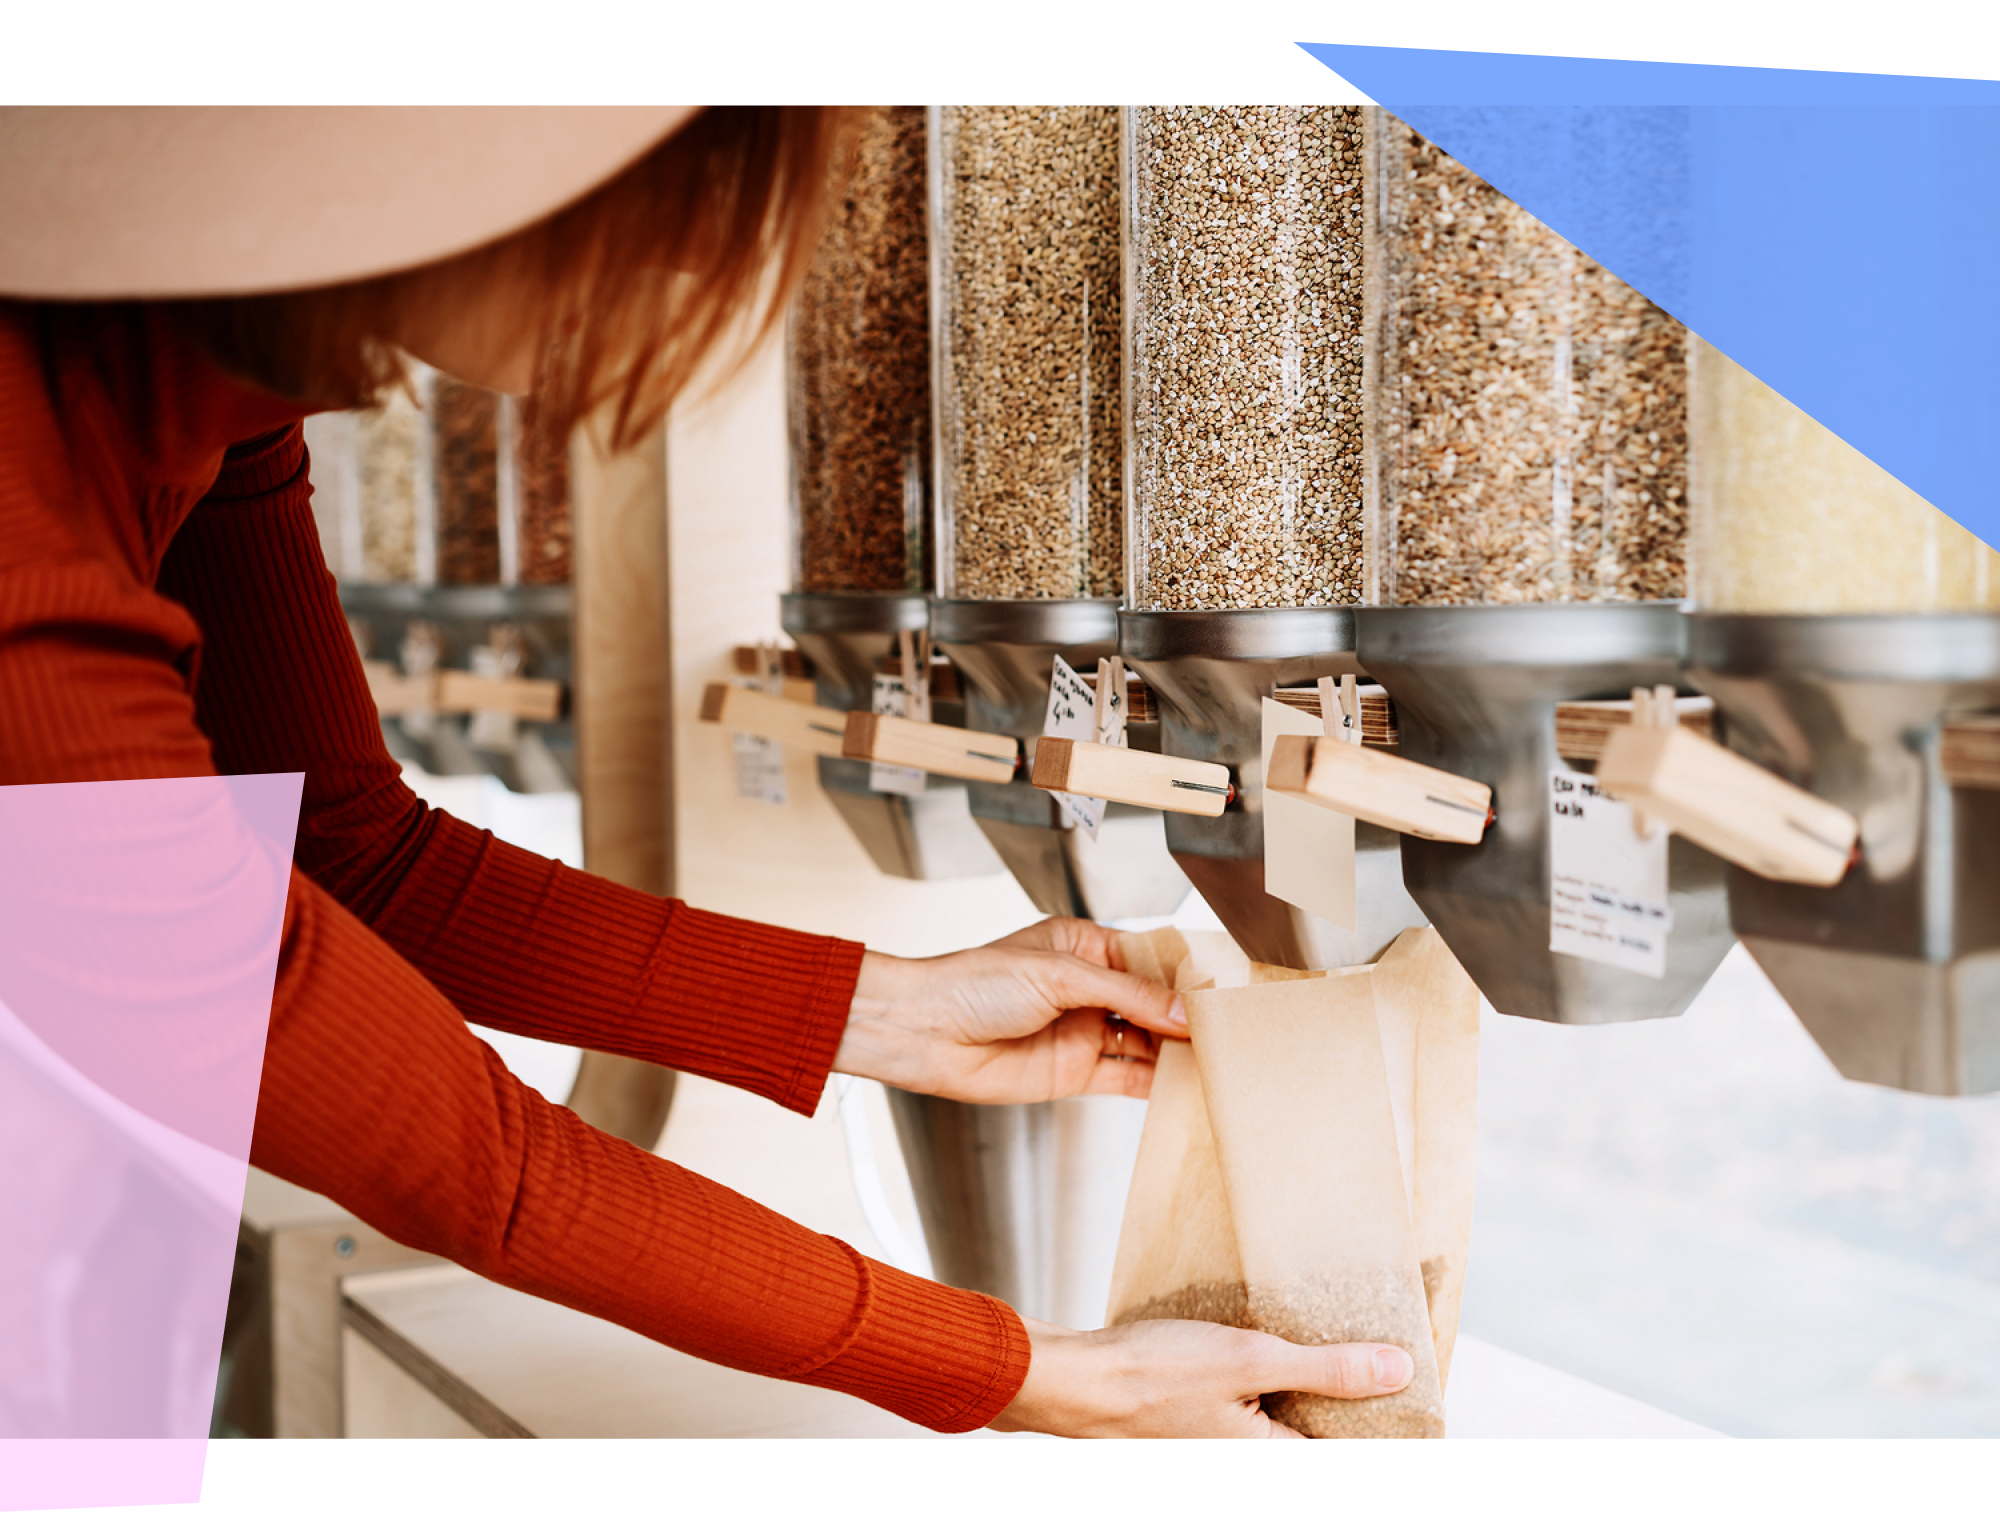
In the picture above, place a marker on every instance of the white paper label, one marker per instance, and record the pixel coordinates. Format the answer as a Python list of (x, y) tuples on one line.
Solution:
[(760, 769), (888, 699), (1608, 884), (1072, 715)]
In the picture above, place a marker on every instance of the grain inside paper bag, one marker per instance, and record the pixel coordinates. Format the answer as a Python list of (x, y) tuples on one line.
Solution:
[(1306, 1165)]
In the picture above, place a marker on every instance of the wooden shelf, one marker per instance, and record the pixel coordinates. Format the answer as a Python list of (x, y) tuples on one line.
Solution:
[(1582, 728), (1378, 712), (293, 1249)]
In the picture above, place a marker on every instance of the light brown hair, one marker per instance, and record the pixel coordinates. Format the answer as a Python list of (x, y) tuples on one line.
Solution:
[(630, 289)]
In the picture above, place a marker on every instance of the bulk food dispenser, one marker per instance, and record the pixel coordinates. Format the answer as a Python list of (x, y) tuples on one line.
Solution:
[(858, 359), (1849, 634), (1244, 545), (1018, 1201), (1029, 543), (445, 516)]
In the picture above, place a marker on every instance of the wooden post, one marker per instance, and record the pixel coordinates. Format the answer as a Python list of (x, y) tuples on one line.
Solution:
[(622, 701)]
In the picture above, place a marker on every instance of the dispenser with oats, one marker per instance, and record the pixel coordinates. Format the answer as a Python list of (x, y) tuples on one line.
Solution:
[(1849, 633), (1029, 529)]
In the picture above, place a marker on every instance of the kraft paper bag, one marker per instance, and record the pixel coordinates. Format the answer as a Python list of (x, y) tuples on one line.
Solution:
[(1306, 1165)]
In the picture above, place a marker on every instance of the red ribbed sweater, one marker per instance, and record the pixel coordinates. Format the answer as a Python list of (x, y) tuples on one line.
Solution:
[(165, 612)]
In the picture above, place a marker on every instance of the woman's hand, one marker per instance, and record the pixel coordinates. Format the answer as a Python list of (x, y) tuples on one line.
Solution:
[(1022, 1020), (1184, 1379)]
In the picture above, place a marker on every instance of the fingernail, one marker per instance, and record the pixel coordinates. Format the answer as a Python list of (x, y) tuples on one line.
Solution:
[(1177, 1013), (1392, 1368)]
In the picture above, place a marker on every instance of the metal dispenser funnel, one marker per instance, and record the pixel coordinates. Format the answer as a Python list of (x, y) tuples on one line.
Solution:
[(1895, 971), (1476, 689), (1005, 653), (1210, 672), (1022, 1201), (911, 836)]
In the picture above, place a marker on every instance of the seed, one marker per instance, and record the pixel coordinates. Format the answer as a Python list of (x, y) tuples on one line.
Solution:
[(541, 475), (466, 450), (1530, 425), (859, 353), (388, 446), (1246, 388), (1362, 1305), (1031, 500)]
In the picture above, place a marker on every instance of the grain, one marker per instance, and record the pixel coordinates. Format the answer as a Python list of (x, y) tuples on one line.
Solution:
[(1790, 519), (1026, 242), (858, 347), (334, 471), (465, 451), (1245, 229), (391, 458), (1530, 419), (541, 477), (1362, 1306), (1224, 1304)]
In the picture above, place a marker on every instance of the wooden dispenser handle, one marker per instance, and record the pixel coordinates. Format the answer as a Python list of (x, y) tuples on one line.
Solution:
[(536, 699), (940, 748), (1124, 776), (1969, 753), (1382, 790), (525, 697), (795, 726), (393, 693), (1727, 803)]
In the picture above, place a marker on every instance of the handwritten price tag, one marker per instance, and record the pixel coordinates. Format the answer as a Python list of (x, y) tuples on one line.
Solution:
[(1607, 883)]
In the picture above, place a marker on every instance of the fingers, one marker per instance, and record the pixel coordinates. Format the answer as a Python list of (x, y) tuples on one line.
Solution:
[(1074, 983), (1278, 1429), (1119, 1078), (1067, 934), (1352, 1371)]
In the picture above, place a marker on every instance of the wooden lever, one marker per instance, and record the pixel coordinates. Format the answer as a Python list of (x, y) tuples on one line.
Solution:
[(940, 748), (395, 693), (1970, 751), (462, 692), (1728, 804), (1125, 776), (465, 692), (1380, 789), (795, 726)]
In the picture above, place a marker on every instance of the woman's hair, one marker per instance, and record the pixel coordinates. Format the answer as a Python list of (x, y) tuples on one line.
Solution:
[(629, 289)]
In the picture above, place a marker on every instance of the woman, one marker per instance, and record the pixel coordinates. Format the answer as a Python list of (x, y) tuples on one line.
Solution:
[(164, 612)]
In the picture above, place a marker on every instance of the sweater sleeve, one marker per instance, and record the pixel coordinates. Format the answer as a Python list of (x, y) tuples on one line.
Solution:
[(373, 1091), (417, 1127), (518, 942)]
